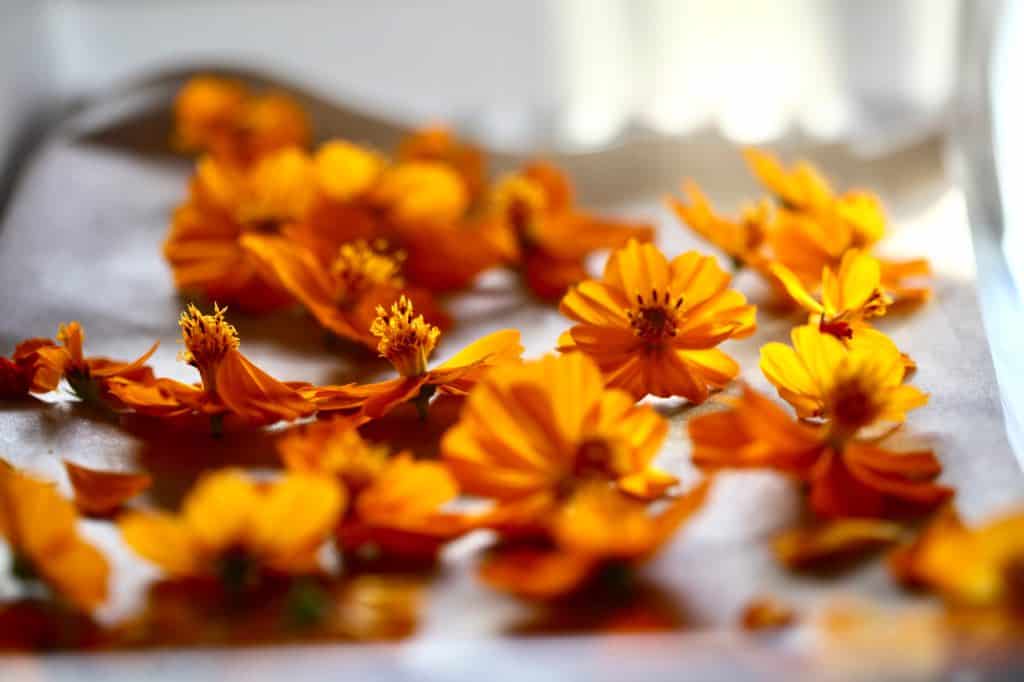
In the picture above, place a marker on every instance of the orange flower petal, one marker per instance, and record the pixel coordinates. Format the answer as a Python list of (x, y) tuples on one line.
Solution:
[(103, 492)]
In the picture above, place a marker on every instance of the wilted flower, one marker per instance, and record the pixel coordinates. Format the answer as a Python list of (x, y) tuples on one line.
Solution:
[(846, 476), (406, 341)]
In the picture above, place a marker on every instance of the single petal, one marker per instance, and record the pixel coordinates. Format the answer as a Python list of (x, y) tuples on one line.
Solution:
[(103, 492), (253, 394), (293, 518), (163, 539), (220, 509)]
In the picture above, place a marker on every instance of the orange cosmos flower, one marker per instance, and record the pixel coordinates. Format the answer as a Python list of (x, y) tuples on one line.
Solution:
[(39, 527), (849, 297), (742, 240), (101, 493), (407, 340), (204, 244), (231, 384), (438, 143), (220, 116), (344, 295), (816, 227), (397, 501), (847, 477), (652, 325), (234, 529), (529, 435), (852, 387), (417, 192), (419, 207), (971, 567), (24, 373), (597, 529), (541, 229), (89, 378)]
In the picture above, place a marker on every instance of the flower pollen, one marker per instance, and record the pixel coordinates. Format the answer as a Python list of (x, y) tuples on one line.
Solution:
[(360, 266), (406, 339), (207, 340)]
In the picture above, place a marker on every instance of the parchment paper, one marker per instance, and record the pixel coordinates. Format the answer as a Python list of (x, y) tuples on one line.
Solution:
[(81, 240)]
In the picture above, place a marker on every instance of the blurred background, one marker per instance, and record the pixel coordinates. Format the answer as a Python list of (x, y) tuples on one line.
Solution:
[(524, 74)]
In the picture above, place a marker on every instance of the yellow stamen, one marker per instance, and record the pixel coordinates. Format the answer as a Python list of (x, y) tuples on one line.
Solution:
[(655, 318), (207, 339), (406, 339), (519, 200), (360, 266)]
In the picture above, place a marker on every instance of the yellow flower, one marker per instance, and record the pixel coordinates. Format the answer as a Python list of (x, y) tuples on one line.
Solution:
[(437, 143), (233, 528), (344, 293), (852, 387), (539, 227), (220, 116), (39, 526), (422, 192), (815, 227), (204, 246), (397, 501), (346, 171), (976, 567), (652, 325), (532, 433), (848, 297), (846, 477), (596, 528), (406, 341), (742, 240), (802, 187), (333, 447)]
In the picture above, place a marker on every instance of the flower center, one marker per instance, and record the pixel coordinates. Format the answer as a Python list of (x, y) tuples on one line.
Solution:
[(360, 266), (837, 328), (592, 457), (520, 201), (406, 339), (207, 339), (851, 407), (655, 318)]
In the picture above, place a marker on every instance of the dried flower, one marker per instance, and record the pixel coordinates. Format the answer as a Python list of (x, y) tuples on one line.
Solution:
[(231, 384), (407, 340)]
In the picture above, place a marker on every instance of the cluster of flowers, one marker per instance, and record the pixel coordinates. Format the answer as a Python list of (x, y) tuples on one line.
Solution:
[(558, 451)]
